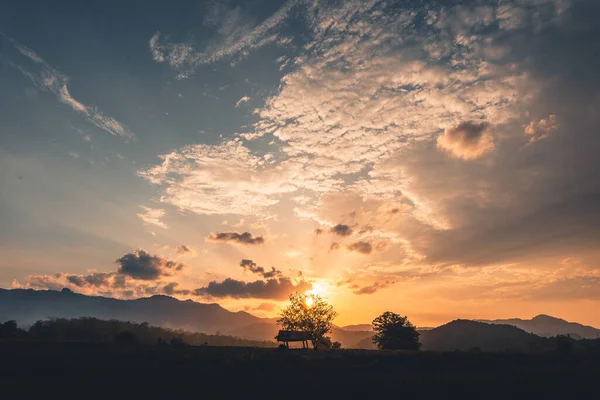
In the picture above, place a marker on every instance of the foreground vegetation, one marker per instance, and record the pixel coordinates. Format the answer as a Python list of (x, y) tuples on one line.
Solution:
[(114, 370), (87, 329)]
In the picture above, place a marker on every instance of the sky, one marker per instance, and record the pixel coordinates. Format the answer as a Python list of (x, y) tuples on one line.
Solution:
[(435, 158)]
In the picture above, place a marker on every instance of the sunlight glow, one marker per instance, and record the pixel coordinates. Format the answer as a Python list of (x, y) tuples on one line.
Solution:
[(308, 301), (317, 289)]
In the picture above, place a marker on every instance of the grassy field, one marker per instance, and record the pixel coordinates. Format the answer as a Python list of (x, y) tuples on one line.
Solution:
[(113, 371)]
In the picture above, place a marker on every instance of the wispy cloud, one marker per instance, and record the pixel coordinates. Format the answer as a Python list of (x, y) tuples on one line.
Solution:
[(235, 37), (46, 78), (152, 216), (243, 100)]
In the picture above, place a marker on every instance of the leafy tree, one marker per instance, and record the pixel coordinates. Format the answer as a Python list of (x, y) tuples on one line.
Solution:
[(308, 313), (8, 329), (395, 332)]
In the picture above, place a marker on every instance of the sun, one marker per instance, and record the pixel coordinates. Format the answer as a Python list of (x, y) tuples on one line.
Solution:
[(308, 301)]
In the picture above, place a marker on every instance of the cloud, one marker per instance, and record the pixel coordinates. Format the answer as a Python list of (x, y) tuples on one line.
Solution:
[(152, 216), (223, 179), (46, 78), (156, 49), (96, 279), (235, 36), (139, 275), (183, 249), (142, 265), (249, 265), (243, 100), (361, 247), (110, 284), (275, 289), (374, 287), (539, 130), (342, 230), (468, 140), (172, 288), (241, 238), (357, 123), (334, 246)]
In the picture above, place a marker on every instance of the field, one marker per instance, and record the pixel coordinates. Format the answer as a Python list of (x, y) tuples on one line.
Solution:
[(115, 371)]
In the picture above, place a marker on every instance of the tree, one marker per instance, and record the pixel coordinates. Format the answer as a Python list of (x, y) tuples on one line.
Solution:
[(125, 337), (395, 332), (308, 313)]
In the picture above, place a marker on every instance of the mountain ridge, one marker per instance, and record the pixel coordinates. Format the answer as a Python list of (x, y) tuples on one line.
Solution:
[(548, 326), (27, 306)]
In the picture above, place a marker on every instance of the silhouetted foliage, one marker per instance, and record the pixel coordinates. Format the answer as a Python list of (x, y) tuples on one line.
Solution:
[(395, 332), (96, 330), (8, 329), (327, 343), (564, 344), (125, 337), (308, 313), (177, 342)]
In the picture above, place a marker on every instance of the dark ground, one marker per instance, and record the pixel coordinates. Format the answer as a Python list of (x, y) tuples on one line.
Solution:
[(85, 370)]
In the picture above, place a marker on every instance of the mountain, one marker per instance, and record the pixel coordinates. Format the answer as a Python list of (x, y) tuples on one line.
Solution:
[(545, 325), (86, 329), (358, 328), (465, 335), (27, 306)]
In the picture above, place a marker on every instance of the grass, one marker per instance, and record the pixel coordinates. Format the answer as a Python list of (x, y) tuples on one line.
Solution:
[(109, 370)]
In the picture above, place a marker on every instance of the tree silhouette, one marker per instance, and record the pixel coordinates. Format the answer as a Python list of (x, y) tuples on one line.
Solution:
[(395, 332), (308, 313), (125, 337)]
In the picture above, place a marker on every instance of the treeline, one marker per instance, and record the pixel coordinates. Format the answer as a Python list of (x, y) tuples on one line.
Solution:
[(88, 329)]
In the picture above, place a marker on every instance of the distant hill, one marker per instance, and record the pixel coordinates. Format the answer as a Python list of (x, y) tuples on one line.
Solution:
[(545, 325), (28, 306), (268, 330), (95, 330), (466, 335), (359, 327)]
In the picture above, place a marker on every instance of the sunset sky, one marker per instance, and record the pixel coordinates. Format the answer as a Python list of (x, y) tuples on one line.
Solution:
[(435, 158)]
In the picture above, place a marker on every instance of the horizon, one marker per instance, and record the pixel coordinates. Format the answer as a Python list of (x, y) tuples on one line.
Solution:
[(341, 326), (437, 159)]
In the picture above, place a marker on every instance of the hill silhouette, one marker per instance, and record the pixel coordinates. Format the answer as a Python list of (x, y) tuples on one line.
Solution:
[(26, 306), (95, 330), (467, 335), (548, 326), (358, 328)]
